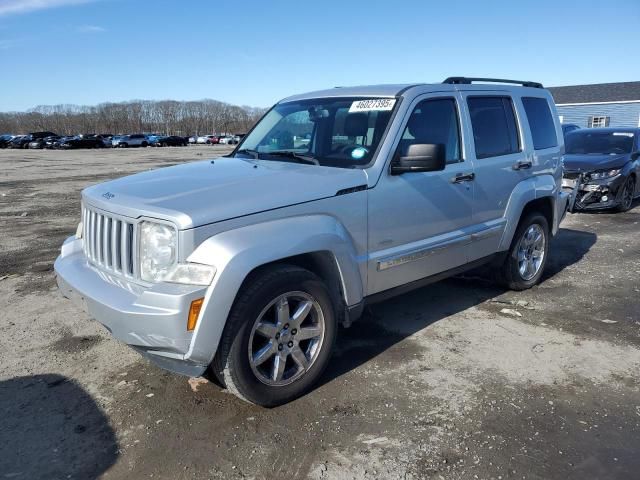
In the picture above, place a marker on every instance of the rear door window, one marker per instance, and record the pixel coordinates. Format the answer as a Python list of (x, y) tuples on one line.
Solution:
[(543, 130), (495, 131)]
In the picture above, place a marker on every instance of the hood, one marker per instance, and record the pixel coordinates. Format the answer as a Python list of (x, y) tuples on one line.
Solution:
[(590, 163), (199, 193)]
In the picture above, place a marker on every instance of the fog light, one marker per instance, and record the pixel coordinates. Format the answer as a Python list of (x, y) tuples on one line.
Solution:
[(605, 198), (194, 313)]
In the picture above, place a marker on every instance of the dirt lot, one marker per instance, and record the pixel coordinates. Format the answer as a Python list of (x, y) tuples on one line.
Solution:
[(457, 380)]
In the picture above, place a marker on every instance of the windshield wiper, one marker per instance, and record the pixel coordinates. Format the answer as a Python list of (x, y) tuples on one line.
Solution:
[(254, 153), (295, 156)]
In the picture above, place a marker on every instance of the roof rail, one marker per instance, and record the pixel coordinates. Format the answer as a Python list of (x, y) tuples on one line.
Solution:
[(469, 80)]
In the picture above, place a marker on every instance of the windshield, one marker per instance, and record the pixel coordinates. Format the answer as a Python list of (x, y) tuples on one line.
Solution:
[(335, 132), (602, 143)]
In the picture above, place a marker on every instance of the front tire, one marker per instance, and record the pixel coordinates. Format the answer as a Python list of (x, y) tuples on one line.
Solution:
[(527, 258), (626, 196), (278, 337)]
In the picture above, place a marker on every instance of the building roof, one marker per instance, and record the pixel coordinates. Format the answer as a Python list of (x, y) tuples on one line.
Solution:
[(598, 92)]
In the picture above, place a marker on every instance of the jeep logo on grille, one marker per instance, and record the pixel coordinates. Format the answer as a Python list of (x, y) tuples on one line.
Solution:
[(108, 195)]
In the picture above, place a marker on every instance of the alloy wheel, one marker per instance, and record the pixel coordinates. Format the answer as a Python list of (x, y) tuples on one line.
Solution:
[(531, 251), (627, 194), (286, 338)]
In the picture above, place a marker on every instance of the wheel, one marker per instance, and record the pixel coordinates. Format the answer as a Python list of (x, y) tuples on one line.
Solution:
[(278, 337), (524, 265), (124, 145), (626, 196), (144, 144)]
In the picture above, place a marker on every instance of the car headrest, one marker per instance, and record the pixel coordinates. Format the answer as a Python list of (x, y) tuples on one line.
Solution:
[(356, 125), (430, 127)]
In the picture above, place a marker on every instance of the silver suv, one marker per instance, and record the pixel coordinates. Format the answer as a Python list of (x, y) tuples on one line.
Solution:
[(245, 266)]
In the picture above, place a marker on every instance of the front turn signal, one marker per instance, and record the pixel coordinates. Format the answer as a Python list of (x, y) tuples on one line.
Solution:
[(194, 313)]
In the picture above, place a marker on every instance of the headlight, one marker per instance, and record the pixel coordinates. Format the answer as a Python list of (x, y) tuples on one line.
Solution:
[(158, 258), (605, 174), (157, 250)]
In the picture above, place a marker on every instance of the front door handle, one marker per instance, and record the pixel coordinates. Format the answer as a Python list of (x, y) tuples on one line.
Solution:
[(463, 177), (523, 165)]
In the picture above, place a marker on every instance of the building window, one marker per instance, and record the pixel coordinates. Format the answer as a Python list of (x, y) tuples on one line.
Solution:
[(598, 122)]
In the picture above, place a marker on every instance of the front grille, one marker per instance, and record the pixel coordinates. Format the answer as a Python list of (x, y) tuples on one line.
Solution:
[(109, 242)]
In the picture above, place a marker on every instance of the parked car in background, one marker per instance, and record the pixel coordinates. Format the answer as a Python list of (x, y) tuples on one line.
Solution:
[(152, 137), (602, 164), (55, 143), (50, 142), (567, 128), (23, 141), (169, 141), (224, 139), (81, 141), (5, 140), (246, 269), (207, 139), (106, 139), (40, 143), (19, 141), (136, 140)]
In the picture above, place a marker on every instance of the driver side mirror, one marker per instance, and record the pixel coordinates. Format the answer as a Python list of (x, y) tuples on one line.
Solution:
[(420, 157), (635, 156)]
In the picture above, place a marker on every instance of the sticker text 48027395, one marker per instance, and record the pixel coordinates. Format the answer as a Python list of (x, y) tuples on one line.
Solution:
[(380, 104)]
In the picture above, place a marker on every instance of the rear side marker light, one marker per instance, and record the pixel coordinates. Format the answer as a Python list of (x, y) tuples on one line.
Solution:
[(194, 313)]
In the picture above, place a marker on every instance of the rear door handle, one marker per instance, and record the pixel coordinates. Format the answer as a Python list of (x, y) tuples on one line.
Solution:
[(463, 177), (522, 165)]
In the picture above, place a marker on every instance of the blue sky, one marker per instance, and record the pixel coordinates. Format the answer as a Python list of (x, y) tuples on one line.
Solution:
[(256, 52)]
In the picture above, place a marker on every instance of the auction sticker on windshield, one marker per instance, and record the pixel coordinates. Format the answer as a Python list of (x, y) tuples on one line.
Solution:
[(379, 104)]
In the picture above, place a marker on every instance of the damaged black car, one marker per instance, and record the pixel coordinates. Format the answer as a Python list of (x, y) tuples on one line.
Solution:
[(602, 165)]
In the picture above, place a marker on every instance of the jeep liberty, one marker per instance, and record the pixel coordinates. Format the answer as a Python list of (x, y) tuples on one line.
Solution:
[(245, 265)]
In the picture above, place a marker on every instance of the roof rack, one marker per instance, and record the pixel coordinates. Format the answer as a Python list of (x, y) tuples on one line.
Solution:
[(469, 80)]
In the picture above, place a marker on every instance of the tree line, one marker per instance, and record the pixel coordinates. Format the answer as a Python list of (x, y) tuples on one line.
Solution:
[(168, 117)]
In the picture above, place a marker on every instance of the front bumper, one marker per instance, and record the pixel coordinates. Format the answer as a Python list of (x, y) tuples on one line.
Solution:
[(152, 320), (598, 194)]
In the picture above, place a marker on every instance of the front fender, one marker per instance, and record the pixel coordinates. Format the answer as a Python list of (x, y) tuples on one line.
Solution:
[(235, 253)]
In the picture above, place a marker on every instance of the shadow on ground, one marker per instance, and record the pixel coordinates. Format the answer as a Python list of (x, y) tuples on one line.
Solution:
[(385, 324), (51, 428)]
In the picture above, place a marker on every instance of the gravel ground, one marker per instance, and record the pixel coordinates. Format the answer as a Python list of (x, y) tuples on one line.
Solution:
[(457, 380)]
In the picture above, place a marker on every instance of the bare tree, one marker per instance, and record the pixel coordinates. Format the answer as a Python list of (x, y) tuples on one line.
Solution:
[(169, 117)]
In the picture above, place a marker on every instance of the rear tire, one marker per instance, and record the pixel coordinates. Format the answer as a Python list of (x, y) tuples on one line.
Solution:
[(267, 355), (525, 263)]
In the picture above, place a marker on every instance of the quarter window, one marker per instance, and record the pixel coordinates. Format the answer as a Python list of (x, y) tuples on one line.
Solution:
[(434, 121), (494, 126), (543, 130)]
